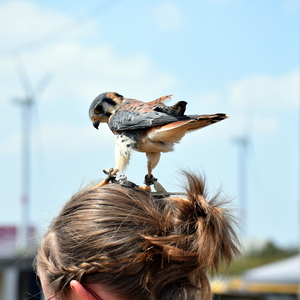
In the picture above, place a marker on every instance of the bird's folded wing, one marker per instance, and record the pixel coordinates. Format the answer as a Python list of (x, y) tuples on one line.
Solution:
[(140, 119)]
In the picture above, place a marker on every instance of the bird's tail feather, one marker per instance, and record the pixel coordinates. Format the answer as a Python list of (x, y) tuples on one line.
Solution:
[(204, 120), (173, 132)]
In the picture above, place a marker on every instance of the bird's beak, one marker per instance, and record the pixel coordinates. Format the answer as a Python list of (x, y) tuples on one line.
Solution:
[(96, 124)]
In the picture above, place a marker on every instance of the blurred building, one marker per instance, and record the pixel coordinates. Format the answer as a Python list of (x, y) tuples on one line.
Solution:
[(18, 281), (275, 281)]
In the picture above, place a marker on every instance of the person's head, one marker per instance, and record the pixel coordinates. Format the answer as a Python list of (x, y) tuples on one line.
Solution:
[(126, 244)]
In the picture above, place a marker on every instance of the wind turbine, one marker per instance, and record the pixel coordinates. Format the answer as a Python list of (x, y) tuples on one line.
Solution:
[(244, 143), (27, 103)]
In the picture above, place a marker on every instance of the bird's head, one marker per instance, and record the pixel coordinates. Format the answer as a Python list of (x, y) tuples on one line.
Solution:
[(103, 107)]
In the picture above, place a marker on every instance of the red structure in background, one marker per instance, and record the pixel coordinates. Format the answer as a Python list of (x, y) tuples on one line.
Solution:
[(9, 240)]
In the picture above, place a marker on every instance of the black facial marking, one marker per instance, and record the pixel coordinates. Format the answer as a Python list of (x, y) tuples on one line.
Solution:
[(118, 95), (110, 101)]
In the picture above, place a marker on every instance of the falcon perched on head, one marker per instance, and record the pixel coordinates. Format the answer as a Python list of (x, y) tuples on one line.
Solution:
[(150, 127)]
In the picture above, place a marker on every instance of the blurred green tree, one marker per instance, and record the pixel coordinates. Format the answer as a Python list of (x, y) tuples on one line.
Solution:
[(270, 252)]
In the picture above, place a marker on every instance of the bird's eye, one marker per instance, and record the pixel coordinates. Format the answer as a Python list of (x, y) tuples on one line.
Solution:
[(98, 109)]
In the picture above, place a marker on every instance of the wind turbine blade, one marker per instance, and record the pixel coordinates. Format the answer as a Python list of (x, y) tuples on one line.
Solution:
[(44, 82), (24, 77)]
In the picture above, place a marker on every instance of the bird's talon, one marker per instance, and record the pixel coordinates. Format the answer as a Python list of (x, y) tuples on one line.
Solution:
[(108, 171), (111, 178), (146, 188), (123, 177), (149, 181), (103, 182), (128, 184)]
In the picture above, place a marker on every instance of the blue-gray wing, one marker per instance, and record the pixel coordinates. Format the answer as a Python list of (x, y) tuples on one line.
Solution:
[(135, 114)]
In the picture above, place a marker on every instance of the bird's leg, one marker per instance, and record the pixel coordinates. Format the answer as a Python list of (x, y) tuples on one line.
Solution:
[(114, 172), (153, 159)]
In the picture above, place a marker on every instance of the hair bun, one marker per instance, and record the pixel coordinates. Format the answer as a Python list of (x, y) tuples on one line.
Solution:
[(209, 222)]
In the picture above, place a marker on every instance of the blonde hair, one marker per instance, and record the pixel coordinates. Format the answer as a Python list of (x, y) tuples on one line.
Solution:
[(138, 246)]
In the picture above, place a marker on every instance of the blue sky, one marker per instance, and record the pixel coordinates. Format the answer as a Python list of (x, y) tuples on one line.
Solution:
[(232, 56)]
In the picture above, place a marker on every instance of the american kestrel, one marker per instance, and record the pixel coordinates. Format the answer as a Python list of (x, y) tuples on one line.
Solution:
[(150, 127)]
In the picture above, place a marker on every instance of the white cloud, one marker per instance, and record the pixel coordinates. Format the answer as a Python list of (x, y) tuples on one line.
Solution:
[(266, 92), (81, 72), (211, 98), (209, 102), (168, 16), (23, 21), (61, 137), (256, 101), (266, 125), (64, 137)]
